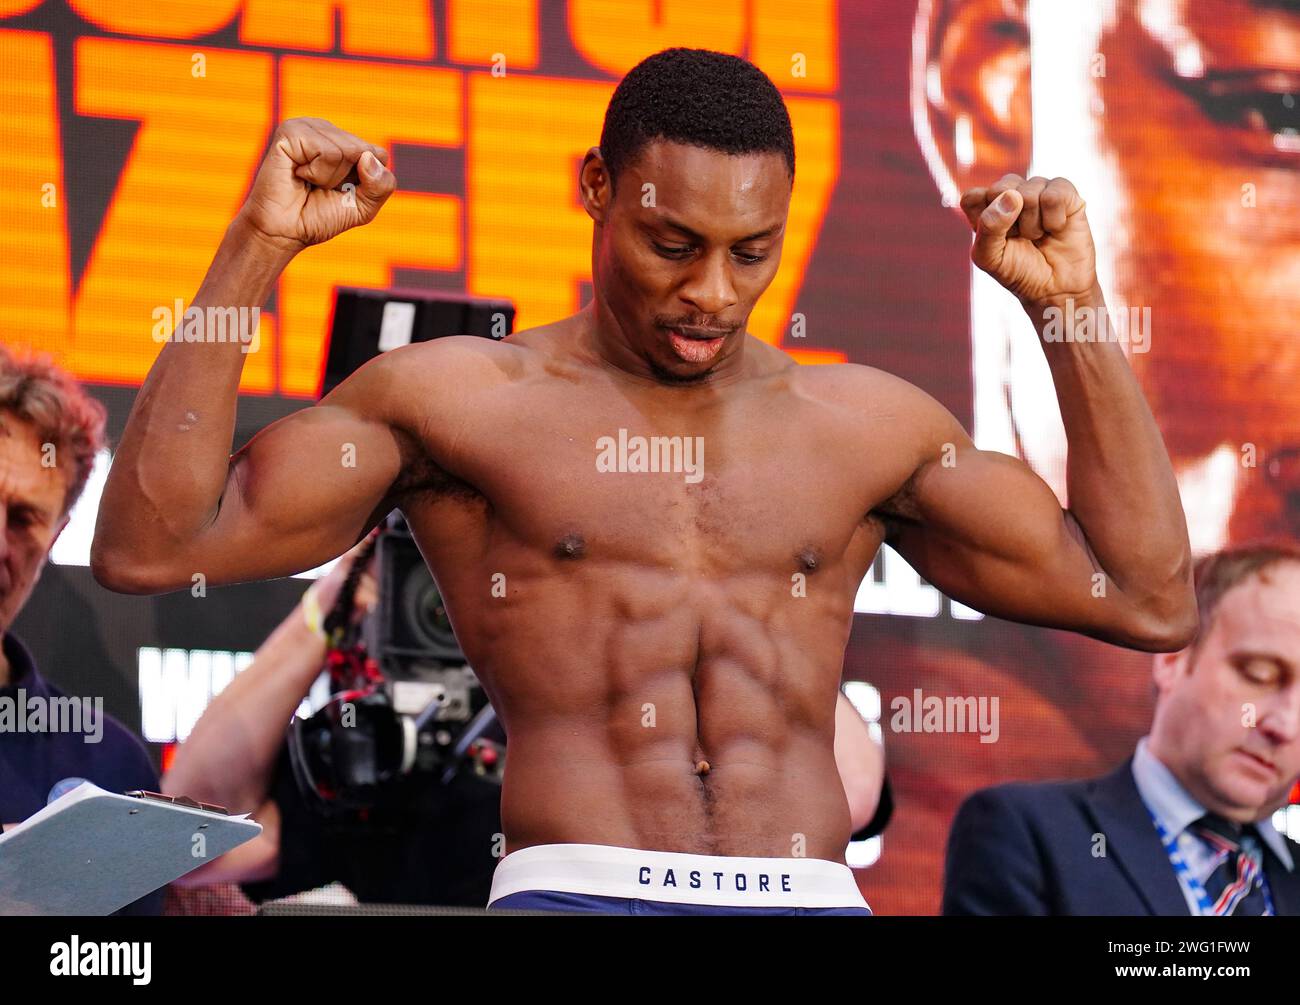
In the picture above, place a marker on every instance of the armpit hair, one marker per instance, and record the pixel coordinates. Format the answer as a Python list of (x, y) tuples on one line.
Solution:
[(898, 511), (421, 475)]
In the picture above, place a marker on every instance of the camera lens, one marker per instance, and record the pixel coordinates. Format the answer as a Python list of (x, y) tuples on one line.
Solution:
[(425, 613)]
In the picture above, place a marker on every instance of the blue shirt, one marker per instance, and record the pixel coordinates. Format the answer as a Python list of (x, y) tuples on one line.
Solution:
[(31, 762), (1176, 810)]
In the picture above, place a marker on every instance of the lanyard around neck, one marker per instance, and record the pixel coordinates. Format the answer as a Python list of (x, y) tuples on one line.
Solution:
[(1204, 905)]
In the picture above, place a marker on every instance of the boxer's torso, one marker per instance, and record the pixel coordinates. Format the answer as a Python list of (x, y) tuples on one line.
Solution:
[(629, 625)]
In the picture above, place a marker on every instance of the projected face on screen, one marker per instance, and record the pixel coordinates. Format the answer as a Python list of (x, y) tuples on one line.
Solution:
[(1181, 124)]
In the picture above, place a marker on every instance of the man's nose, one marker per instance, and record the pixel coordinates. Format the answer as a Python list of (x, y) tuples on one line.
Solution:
[(1281, 718), (709, 288)]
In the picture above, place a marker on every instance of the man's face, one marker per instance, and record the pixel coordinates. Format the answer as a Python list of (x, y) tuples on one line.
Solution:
[(31, 501), (1200, 126), (1228, 716), (1190, 127), (684, 249)]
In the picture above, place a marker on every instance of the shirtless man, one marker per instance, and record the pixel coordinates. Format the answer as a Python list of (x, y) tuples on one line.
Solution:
[(663, 646)]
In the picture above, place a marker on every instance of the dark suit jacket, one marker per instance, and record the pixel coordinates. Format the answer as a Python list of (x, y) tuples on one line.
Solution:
[(1028, 849)]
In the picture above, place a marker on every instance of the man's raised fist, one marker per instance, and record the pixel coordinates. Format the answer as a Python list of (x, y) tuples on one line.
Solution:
[(315, 182)]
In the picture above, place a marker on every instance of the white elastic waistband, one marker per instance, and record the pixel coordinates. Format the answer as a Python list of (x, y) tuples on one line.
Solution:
[(675, 877)]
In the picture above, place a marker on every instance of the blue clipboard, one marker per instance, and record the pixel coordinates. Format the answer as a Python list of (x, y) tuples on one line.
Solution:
[(91, 852)]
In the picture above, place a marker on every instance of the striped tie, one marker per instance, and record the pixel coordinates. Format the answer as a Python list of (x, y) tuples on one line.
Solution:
[(1236, 885)]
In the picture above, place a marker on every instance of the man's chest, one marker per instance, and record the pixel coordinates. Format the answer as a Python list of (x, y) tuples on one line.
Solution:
[(773, 483)]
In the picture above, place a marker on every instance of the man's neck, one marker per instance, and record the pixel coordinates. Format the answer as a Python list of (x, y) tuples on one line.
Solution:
[(4, 663), (1163, 753)]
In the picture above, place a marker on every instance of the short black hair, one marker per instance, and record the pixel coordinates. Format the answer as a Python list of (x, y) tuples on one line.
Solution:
[(698, 97)]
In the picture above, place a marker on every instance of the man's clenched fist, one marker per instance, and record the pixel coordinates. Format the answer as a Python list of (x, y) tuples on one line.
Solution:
[(1032, 236), (316, 182)]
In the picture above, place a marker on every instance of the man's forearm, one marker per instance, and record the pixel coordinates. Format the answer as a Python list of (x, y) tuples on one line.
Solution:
[(1122, 490), (171, 466), (229, 757)]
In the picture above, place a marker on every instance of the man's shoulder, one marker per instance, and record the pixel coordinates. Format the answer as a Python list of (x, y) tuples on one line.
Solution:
[(113, 729), (126, 741), (414, 385), (118, 742), (832, 377), (1029, 799), (117, 759), (462, 358), (869, 391)]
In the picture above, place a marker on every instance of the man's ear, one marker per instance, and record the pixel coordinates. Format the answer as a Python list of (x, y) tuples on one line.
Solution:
[(594, 186), (1167, 668), (974, 89)]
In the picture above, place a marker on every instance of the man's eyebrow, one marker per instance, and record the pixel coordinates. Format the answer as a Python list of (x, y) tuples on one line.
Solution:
[(668, 221)]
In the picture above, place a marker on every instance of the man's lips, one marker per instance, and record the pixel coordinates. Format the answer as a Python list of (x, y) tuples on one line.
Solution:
[(699, 334), (696, 345), (1263, 763)]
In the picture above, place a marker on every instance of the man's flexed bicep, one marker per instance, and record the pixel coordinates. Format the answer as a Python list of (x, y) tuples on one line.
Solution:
[(990, 533), (986, 530), (299, 493)]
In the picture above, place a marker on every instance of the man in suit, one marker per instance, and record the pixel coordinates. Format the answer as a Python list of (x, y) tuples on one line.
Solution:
[(1183, 826)]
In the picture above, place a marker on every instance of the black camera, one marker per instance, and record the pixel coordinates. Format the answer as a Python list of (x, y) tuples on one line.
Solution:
[(411, 638), (403, 697)]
